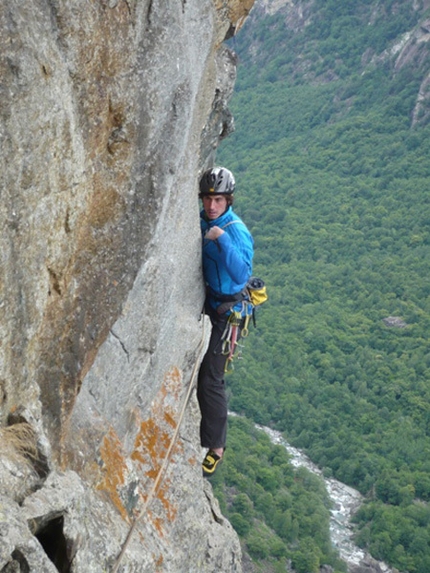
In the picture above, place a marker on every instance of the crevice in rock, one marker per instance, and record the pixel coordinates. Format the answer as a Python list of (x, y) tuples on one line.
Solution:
[(3, 393), (149, 13), (128, 6), (18, 563), (116, 138), (122, 344), (67, 222), (230, 32), (216, 514), (216, 517), (54, 283), (52, 539)]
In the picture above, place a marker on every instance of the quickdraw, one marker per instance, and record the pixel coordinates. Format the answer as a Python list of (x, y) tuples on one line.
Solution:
[(236, 325)]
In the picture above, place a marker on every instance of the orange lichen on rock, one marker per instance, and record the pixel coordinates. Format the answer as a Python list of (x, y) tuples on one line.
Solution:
[(237, 10), (158, 561), (150, 444), (114, 469), (153, 441)]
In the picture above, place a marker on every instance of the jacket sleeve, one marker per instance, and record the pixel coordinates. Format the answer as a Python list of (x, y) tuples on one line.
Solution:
[(236, 254)]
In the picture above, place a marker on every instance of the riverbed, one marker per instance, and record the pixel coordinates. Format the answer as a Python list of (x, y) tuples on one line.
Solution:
[(346, 501)]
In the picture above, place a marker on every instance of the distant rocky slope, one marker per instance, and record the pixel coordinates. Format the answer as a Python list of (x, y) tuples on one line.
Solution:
[(409, 50), (109, 111)]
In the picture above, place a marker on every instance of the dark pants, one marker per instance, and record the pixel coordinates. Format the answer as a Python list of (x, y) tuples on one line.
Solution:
[(211, 392)]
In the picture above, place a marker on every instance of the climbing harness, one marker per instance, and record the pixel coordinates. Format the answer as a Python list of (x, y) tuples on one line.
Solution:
[(254, 294), (158, 479)]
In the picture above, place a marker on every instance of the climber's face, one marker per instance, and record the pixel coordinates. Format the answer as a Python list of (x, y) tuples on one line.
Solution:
[(214, 206)]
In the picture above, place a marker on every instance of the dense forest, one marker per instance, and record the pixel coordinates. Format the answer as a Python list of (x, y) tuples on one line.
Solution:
[(331, 155)]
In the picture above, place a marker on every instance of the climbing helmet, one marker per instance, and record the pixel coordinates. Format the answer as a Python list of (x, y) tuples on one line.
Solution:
[(217, 181)]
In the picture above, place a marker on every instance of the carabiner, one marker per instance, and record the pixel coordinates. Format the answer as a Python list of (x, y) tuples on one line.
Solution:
[(229, 366), (225, 349), (244, 332)]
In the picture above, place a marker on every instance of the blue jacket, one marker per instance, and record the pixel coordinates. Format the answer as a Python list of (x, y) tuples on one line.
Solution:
[(227, 261)]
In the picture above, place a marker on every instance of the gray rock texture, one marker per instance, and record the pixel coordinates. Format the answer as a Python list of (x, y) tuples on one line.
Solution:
[(109, 110)]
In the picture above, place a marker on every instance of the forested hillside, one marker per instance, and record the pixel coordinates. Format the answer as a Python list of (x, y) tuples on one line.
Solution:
[(331, 155)]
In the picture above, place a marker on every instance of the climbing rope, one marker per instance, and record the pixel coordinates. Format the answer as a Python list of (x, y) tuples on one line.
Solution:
[(158, 479)]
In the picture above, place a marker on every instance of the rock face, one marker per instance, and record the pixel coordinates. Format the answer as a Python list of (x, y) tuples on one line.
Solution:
[(109, 111)]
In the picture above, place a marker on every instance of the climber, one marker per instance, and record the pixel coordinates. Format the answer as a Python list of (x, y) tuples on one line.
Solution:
[(227, 264)]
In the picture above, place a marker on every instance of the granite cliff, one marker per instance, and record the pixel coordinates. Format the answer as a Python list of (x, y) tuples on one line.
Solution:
[(109, 111)]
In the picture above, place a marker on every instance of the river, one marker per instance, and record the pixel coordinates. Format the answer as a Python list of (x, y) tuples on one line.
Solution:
[(346, 501)]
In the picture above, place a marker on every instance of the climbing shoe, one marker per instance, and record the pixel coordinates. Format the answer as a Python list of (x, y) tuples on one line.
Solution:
[(210, 463)]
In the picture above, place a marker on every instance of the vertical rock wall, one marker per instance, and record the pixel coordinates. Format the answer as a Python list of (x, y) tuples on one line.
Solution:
[(108, 110)]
